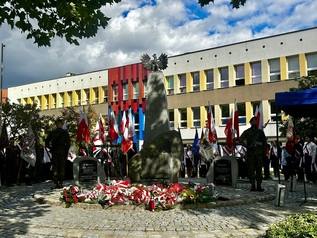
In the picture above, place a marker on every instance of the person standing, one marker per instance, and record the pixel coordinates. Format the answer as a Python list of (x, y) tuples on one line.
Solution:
[(58, 142), (82, 148), (255, 141), (240, 154), (69, 173), (12, 156), (189, 161), (39, 164), (299, 143), (309, 159), (275, 157), (266, 162)]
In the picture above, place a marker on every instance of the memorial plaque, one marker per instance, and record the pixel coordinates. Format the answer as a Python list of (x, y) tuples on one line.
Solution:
[(88, 171), (222, 172)]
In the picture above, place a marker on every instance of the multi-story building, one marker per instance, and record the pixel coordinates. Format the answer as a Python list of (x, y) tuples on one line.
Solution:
[(248, 72)]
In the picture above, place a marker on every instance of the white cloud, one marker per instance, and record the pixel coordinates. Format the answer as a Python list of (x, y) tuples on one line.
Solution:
[(140, 26)]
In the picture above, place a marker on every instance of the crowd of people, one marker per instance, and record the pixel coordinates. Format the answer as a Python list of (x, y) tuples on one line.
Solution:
[(15, 170), (256, 158), (53, 159), (260, 160)]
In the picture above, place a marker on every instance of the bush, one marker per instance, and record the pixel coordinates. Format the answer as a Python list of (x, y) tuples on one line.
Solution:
[(296, 226)]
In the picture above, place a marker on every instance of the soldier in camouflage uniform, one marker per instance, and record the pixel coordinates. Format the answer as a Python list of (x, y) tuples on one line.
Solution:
[(254, 140), (58, 142)]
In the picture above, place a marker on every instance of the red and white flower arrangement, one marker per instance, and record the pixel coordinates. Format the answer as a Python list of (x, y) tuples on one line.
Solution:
[(154, 197)]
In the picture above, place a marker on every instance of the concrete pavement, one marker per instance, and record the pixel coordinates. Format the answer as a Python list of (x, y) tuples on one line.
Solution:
[(34, 211)]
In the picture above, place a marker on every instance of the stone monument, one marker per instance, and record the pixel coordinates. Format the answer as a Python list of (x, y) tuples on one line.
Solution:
[(156, 116), (162, 152)]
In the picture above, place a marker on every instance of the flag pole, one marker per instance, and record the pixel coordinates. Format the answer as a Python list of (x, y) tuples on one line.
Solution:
[(127, 164)]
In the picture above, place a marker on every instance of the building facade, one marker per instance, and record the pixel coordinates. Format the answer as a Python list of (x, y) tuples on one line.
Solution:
[(248, 72)]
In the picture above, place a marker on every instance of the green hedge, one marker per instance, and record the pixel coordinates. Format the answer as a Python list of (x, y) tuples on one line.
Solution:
[(296, 226)]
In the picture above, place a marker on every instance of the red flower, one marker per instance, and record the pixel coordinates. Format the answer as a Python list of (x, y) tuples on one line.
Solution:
[(176, 187), (75, 199), (199, 189)]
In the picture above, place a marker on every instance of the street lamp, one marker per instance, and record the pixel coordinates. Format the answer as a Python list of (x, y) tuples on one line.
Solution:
[(1, 79)]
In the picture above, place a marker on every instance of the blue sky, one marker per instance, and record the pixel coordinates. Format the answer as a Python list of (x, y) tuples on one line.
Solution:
[(148, 26)]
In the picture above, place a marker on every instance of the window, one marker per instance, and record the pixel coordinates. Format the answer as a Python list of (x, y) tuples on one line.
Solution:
[(293, 67), (46, 102), (311, 64), (62, 97), (195, 81), (115, 92), (256, 72), (196, 116), (240, 75), (273, 112), (183, 117), (87, 99), (224, 78), (224, 113), (241, 113), (209, 79), (125, 91), (170, 85), (105, 93), (70, 97), (275, 74), (171, 118), (78, 97), (54, 100), (136, 90), (96, 92), (182, 83), (136, 123)]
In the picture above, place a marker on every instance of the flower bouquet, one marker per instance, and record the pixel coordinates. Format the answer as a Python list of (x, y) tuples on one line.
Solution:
[(71, 195), (154, 197)]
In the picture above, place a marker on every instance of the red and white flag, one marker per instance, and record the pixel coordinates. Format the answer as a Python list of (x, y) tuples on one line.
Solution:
[(99, 137), (236, 120), (212, 134), (259, 116), (113, 127), (83, 130), (228, 148), (127, 131), (290, 129), (130, 125)]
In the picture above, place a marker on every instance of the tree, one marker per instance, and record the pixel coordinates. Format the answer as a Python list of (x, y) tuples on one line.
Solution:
[(17, 117), (43, 20), (234, 3), (71, 116), (303, 126)]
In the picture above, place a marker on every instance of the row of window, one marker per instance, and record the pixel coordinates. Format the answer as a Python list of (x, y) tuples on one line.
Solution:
[(293, 70), (72, 98), (224, 114)]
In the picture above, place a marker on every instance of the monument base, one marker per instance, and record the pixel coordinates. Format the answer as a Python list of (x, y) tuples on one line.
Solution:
[(88, 172), (223, 171)]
